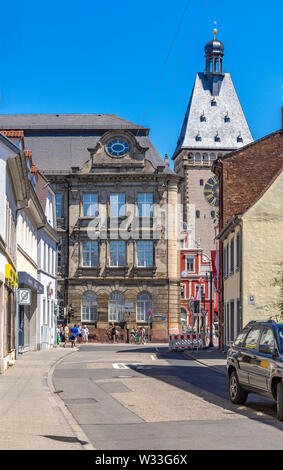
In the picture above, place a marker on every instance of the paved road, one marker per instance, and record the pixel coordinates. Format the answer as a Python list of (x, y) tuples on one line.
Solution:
[(143, 397)]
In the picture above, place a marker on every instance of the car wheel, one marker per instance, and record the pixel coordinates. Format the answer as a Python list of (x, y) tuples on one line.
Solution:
[(280, 401), (237, 394)]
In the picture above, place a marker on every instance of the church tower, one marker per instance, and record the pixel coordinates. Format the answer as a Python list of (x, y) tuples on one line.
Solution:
[(214, 125)]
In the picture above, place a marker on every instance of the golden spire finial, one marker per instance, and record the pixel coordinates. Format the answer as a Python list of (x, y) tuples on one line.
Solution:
[(214, 31)]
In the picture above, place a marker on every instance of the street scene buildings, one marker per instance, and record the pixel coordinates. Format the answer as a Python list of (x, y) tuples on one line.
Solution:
[(146, 266)]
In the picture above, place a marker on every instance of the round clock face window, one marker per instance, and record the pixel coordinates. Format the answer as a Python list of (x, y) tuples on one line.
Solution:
[(211, 191), (118, 148)]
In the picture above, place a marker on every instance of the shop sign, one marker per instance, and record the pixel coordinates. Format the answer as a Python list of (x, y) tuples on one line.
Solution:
[(49, 290), (11, 276)]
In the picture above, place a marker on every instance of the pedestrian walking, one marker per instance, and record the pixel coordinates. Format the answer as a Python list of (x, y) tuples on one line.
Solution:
[(113, 332), (61, 333), (143, 335), (85, 334), (58, 336), (66, 335), (132, 336), (80, 333), (74, 335)]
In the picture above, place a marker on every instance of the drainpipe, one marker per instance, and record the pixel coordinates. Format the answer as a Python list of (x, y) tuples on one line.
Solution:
[(68, 253)]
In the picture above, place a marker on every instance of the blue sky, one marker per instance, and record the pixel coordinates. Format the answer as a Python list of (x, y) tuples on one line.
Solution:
[(108, 57)]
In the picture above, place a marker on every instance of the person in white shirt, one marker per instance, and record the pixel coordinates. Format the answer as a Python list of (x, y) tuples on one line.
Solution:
[(85, 332)]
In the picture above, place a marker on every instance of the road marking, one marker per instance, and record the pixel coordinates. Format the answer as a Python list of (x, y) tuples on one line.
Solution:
[(120, 366), (153, 358)]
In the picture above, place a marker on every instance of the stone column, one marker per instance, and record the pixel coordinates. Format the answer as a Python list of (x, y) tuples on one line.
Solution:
[(174, 322)]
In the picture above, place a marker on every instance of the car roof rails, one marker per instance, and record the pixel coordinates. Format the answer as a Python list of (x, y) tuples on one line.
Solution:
[(264, 320)]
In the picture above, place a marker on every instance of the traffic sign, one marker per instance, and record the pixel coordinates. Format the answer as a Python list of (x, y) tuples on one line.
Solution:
[(149, 312), (24, 296)]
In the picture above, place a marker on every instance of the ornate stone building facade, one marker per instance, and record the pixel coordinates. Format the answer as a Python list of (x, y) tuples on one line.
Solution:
[(111, 186)]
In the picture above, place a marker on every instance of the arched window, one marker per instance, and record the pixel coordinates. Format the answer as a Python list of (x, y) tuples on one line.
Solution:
[(116, 307), (144, 304), (89, 307)]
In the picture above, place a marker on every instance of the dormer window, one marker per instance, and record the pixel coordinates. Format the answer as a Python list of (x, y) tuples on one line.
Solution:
[(202, 117), (198, 137), (239, 138), (213, 102), (217, 138), (227, 118)]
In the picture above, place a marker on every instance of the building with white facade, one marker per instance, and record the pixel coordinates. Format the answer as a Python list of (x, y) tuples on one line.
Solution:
[(47, 265), (30, 219), (13, 193)]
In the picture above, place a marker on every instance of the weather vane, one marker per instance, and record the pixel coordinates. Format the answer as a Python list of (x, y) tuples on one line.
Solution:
[(214, 31)]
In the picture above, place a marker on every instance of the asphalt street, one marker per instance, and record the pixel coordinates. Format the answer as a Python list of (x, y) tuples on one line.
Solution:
[(145, 397)]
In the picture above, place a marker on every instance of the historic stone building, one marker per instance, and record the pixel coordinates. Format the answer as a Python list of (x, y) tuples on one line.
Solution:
[(110, 185), (214, 124)]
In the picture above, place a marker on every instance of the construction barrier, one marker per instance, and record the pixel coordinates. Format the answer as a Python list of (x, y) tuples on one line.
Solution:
[(185, 341)]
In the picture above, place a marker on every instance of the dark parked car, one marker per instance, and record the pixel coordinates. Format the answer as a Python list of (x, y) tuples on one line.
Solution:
[(255, 363)]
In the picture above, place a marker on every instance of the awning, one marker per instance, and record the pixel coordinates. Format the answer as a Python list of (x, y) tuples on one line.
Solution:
[(27, 280)]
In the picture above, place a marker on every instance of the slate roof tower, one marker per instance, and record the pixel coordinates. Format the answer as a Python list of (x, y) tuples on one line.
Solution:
[(214, 124)]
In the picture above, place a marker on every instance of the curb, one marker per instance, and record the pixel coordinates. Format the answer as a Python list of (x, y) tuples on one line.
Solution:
[(75, 427), (189, 355)]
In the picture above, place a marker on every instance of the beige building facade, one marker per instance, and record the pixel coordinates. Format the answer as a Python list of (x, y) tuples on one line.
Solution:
[(253, 261)]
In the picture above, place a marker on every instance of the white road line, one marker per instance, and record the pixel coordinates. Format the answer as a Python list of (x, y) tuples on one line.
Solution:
[(153, 358), (120, 366)]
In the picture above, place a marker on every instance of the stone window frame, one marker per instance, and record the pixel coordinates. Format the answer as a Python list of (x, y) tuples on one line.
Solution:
[(153, 253), (85, 193), (125, 205), (81, 254), (194, 263), (116, 136), (96, 301), (109, 253), (149, 300), (123, 299), (152, 204)]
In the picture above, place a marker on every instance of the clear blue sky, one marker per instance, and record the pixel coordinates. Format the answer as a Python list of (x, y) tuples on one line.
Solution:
[(106, 57)]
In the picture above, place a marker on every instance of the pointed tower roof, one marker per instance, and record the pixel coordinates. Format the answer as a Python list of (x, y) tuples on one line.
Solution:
[(214, 118)]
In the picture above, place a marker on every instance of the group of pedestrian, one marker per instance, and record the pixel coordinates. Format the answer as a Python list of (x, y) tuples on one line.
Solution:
[(138, 335), (76, 333)]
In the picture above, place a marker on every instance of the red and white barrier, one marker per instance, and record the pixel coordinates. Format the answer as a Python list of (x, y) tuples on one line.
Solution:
[(185, 341)]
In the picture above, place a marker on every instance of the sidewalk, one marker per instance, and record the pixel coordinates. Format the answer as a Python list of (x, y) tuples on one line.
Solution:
[(210, 357), (31, 416)]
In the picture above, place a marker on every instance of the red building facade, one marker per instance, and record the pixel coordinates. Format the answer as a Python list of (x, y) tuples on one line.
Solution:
[(198, 287)]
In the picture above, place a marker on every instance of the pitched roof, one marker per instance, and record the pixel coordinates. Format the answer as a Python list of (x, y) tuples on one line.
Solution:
[(59, 142), (215, 99), (29, 122), (41, 189)]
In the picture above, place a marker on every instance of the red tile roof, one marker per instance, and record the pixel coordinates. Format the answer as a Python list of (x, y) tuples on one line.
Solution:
[(19, 134)]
